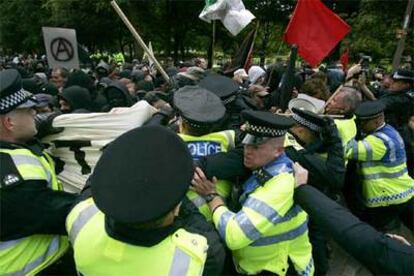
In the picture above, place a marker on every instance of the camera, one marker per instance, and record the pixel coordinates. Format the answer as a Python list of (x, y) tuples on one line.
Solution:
[(365, 61)]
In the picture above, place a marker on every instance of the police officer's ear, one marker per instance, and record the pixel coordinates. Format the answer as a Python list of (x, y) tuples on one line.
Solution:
[(6, 122)]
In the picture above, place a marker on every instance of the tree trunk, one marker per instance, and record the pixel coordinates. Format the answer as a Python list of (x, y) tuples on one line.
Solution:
[(265, 42)]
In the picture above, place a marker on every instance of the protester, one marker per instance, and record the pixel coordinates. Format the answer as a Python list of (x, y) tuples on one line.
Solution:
[(380, 253), (75, 99), (256, 75), (59, 78)]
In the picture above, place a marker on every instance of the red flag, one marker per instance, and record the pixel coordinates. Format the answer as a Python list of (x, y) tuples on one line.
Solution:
[(315, 29), (345, 59)]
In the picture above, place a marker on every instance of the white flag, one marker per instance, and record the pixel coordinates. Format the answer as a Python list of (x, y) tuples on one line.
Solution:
[(231, 13), (151, 62)]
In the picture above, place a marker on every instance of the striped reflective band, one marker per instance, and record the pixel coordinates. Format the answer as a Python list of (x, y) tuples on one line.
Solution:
[(308, 269), (390, 198), (272, 215), (83, 217), (247, 226), (368, 150), (180, 264), (8, 244), (51, 250), (222, 225), (385, 175), (354, 150), (22, 159), (229, 137), (390, 145), (289, 235), (383, 164), (198, 201)]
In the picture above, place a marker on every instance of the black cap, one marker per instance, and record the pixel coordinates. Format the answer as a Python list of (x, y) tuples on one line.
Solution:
[(30, 85), (403, 75), (77, 97), (50, 89), (12, 94), (142, 175), (369, 110), (198, 106), (262, 125), (224, 87), (308, 119)]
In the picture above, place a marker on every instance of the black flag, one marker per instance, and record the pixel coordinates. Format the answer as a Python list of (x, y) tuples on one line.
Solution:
[(242, 59)]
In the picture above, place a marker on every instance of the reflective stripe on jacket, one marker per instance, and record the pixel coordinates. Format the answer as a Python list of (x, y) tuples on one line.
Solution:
[(383, 168), (96, 253)]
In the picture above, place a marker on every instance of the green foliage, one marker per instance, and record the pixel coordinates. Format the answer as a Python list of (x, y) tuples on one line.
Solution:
[(174, 28), (374, 28)]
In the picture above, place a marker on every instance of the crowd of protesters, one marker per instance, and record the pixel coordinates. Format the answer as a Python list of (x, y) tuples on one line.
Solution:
[(247, 186)]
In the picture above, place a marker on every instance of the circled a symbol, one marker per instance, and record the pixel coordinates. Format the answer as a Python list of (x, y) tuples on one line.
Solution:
[(62, 49)]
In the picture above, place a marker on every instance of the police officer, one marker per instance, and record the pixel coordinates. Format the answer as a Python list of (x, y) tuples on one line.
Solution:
[(232, 97), (33, 206), (270, 231), (401, 93), (323, 156), (387, 189), (128, 225), (201, 112), (323, 152)]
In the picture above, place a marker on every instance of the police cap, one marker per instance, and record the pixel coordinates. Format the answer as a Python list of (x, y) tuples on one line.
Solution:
[(369, 110), (198, 106), (224, 87), (403, 75), (142, 175), (308, 119), (261, 125), (12, 94)]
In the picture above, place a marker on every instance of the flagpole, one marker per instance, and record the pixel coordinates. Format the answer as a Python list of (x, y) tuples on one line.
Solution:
[(213, 42), (274, 65), (400, 48), (139, 39)]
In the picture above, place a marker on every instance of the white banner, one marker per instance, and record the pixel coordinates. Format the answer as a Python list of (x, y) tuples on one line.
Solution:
[(80, 144), (61, 47)]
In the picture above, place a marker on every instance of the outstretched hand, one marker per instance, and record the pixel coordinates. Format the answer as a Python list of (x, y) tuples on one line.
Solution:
[(301, 175), (202, 185)]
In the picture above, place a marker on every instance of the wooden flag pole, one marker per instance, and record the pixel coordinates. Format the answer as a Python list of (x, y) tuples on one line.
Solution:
[(401, 43), (213, 43), (139, 39)]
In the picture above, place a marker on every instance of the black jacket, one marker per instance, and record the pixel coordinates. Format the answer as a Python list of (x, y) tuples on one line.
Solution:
[(30, 207), (399, 107), (379, 253)]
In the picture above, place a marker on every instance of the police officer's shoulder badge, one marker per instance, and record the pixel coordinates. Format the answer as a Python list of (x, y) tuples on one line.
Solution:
[(10, 179), (9, 175)]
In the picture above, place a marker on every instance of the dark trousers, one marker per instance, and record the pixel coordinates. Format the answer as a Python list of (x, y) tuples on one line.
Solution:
[(320, 252), (64, 266), (387, 218)]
